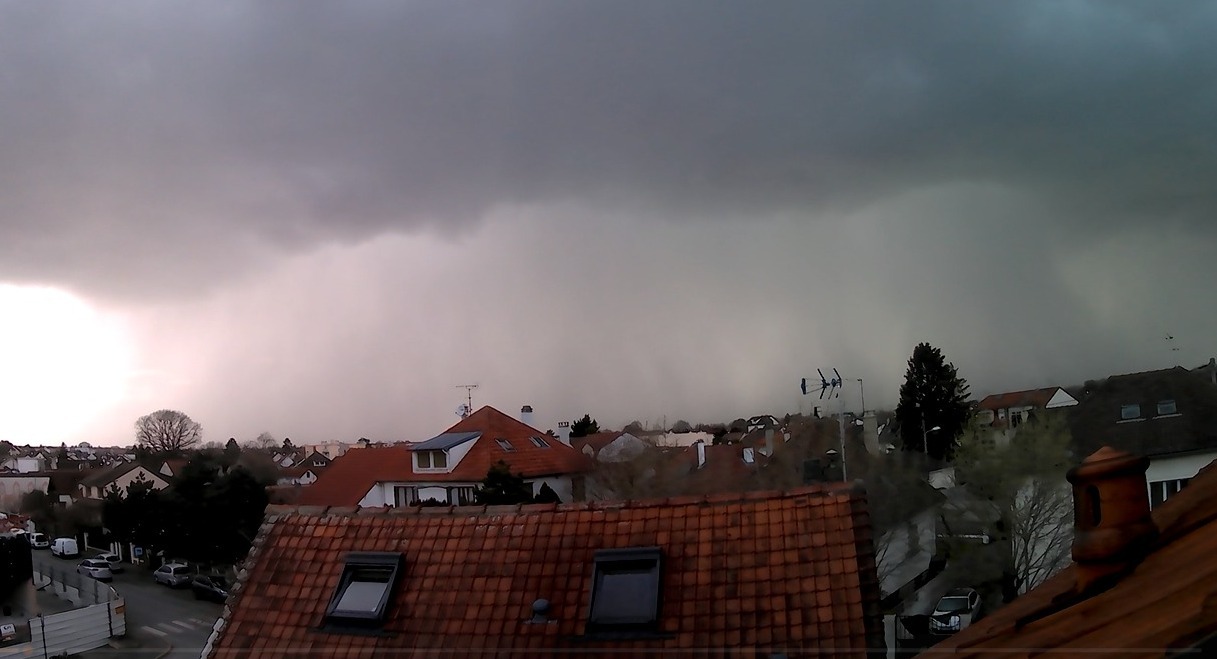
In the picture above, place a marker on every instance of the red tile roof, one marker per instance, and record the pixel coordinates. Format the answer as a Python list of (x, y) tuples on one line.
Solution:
[(596, 441), (1163, 605), (1029, 398), (763, 572), (350, 476)]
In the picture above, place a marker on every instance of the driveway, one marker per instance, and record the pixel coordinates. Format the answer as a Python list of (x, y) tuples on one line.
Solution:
[(157, 616)]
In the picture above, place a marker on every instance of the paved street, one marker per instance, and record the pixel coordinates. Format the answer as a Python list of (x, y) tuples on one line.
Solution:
[(157, 616)]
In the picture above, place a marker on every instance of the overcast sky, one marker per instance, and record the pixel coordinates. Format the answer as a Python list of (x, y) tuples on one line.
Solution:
[(317, 219)]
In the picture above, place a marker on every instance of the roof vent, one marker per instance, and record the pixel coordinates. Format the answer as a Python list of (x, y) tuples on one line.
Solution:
[(1113, 529), (540, 611)]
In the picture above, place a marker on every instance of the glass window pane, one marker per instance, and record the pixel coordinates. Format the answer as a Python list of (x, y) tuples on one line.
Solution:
[(441, 460), (625, 597), (362, 597), (1130, 411), (1166, 407), (424, 459)]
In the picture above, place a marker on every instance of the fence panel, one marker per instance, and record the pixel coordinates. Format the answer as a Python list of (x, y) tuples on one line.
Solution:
[(78, 630)]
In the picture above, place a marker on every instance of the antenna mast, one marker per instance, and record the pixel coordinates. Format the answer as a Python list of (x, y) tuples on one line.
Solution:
[(468, 394)]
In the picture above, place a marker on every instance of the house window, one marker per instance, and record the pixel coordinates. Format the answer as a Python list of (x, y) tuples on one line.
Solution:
[(461, 496), (1166, 407), (539, 443), (1001, 414), (362, 597), (1016, 417), (405, 496), (505, 445), (1160, 491), (625, 590), (318, 463), (1132, 411), (431, 459)]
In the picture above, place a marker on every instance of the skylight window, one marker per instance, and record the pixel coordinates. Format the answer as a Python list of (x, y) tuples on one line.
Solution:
[(625, 590), (505, 445), (1132, 411), (364, 591), (1166, 407), (539, 443)]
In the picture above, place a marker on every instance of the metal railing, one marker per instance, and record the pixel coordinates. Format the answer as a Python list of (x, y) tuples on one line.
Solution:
[(65, 581)]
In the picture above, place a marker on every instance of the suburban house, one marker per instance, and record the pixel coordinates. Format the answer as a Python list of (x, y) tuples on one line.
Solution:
[(301, 475), (750, 575), (15, 485), (448, 467), (1141, 583), (100, 482), (1001, 414), (1169, 416), (610, 446)]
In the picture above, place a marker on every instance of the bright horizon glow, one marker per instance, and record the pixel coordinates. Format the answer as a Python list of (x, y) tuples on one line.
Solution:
[(62, 364)]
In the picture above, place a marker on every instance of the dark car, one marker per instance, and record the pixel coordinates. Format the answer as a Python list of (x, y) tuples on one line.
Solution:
[(210, 588)]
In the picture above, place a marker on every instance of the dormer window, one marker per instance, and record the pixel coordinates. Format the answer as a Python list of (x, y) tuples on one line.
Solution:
[(625, 590), (431, 459), (1166, 407), (1131, 411), (505, 445), (361, 600), (539, 443)]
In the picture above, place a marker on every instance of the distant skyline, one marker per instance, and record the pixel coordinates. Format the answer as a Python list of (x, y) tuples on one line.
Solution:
[(318, 220)]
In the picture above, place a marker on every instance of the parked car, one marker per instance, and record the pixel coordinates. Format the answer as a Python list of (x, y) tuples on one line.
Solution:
[(39, 541), (92, 567), (174, 575), (116, 565), (65, 548), (958, 609), (210, 588)]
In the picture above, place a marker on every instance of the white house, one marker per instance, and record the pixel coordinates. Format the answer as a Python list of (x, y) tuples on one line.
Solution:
[(447, 468)]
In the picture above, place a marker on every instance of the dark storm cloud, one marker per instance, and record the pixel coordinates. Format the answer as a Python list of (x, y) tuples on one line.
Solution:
[(157, 146)]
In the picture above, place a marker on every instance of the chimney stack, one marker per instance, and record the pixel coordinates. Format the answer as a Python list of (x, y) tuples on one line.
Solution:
[(1113, 529), (564, 432), (526, 415)]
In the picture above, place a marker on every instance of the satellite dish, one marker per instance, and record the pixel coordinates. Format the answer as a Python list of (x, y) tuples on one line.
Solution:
[(462, 410)]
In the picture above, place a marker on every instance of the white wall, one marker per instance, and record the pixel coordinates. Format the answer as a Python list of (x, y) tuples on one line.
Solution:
[(559, 484), (1176, 467), (624, 448)]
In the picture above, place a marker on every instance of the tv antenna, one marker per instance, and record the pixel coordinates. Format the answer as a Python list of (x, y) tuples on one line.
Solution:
[(468, 396)]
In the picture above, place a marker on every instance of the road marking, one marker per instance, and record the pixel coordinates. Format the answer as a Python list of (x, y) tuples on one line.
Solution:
[(154, 630), (203, 622), (188, 626)]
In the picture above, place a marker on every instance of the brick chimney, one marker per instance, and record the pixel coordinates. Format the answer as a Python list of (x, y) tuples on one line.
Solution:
[(1113, 529)]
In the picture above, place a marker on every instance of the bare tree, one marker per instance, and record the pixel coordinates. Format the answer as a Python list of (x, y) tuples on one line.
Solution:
[(167, 430), (264, 441), (1021, 487)]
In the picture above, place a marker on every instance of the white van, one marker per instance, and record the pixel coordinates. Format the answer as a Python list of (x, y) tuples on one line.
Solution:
[(39, 540), (65, 548)]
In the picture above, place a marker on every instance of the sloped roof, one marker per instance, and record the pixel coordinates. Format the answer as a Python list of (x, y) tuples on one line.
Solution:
[(349, 477), (1162, 606), (770, 572), (445, 441), (1028, 398), (597, 441), (1096, 420)]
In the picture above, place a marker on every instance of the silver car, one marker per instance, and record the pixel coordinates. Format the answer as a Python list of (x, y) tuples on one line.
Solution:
[(174, 575), (92, 567), (112, 560), (958, 609)]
